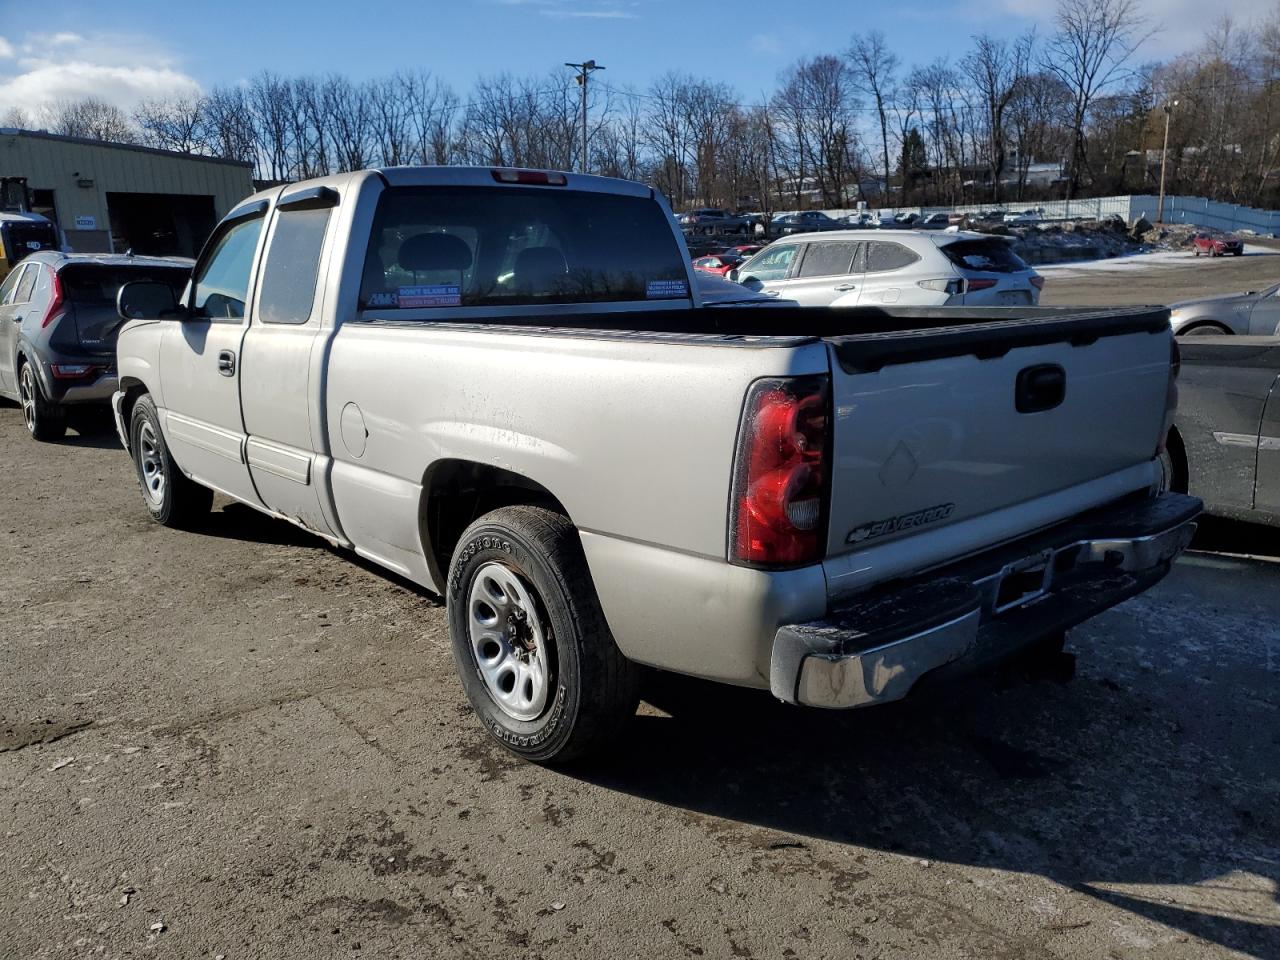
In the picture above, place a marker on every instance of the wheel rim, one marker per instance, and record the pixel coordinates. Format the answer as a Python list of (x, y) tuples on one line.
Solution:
[(27, 392), (151, 465), (509, 641)]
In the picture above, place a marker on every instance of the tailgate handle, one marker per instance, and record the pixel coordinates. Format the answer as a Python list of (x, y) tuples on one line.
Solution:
[(1039, 388)]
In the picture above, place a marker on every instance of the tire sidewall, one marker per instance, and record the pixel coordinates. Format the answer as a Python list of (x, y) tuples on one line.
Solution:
[(544, 736), (144, 411)]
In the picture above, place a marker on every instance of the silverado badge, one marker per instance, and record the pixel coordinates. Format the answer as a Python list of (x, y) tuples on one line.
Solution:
[(918, 518)]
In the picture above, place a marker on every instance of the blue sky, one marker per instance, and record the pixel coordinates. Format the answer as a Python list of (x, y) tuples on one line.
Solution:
[(124, 50)]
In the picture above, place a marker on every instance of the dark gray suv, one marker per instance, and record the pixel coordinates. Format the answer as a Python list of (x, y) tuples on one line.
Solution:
[(58, 326)]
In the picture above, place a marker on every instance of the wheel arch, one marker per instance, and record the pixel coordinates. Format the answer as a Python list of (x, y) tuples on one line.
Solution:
[(456, 492), (133, 390), (1205, 322)]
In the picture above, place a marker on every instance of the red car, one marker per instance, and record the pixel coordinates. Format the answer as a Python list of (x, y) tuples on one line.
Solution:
[(745, 250), (718, 263), (1220, 246)]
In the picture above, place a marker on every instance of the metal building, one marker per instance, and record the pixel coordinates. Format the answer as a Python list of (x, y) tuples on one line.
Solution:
[(114, 197)]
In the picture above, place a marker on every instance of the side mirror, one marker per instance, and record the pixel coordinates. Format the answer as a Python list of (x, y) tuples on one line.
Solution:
[(733, 274), (147, 300)]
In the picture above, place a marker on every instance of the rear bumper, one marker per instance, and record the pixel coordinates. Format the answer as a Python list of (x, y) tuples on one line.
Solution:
[(977, 612)]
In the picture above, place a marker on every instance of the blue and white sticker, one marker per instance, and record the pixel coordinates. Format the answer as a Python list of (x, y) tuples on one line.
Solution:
[(666, 289), (430, 295)]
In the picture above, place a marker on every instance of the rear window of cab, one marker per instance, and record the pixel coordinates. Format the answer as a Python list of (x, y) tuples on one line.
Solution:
[(434, 247)]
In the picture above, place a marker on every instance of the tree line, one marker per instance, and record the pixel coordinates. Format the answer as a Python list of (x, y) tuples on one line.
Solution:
[(848, 125)]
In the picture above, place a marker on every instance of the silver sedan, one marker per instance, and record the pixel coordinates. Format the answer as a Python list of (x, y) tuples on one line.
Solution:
[(1255, 313)]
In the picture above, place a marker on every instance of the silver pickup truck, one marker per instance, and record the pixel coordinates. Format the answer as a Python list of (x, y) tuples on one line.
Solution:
[(503, 385)]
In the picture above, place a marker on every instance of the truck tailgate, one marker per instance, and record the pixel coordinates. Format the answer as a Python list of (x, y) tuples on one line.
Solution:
[(936, 427)]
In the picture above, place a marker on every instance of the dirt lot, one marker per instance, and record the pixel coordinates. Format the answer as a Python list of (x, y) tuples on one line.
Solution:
[(1164, 278), (240, 743)]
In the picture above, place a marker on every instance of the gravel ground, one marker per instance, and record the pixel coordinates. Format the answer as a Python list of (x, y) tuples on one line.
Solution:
[(241, 743)]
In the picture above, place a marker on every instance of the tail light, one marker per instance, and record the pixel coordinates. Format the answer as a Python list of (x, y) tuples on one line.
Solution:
[(1037, 281), (780, 484), (543, 178), (974, 284), (72, 371), (1171, 394), (950, 287), (56, 301)]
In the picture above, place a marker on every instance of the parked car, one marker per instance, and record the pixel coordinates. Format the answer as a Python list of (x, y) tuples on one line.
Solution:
[(934, 221), (1225, 443), (58, 327), (860, 221), (906, 219), (1217, 245), (503, 385), (713, 220), (903, 267), (717, 263), (807, 221), (1254, 313), (1023, 217), (744, 250)]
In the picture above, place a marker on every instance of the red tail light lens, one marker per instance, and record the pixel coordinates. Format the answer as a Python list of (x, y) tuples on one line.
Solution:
[(780, 482), (55, 303), (1037, 281), (978, 284)]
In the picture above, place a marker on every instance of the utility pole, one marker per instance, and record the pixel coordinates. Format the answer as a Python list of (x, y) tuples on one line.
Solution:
[(585, 70), (1164, 156)]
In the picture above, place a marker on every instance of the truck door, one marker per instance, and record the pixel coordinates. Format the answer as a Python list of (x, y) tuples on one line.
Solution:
[(200, 360), (283, 361)]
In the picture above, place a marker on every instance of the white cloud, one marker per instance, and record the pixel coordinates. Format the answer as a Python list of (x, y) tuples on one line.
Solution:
[(121, 69), (6, 49), (573, 9)]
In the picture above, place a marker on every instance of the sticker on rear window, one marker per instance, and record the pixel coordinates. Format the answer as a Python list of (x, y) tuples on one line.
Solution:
[(430, 295), (666, 289), (382, 298)]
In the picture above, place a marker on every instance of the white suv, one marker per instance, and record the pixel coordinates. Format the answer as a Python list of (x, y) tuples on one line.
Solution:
[(904, 267)]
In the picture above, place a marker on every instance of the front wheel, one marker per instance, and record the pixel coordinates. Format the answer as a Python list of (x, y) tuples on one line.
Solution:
[(45, 420), (530, 642), (171, 497)]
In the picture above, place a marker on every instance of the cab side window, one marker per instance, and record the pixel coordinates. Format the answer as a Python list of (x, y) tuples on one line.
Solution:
[(293, 263), (222, 280)]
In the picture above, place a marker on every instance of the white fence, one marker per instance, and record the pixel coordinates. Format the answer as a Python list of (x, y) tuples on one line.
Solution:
[(1196, 211)]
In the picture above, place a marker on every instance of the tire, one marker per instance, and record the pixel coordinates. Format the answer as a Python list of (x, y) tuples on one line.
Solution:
[(45, 421), (172, 499), (563, 689), (1197, 251), (1206, 330), (1167, 471)]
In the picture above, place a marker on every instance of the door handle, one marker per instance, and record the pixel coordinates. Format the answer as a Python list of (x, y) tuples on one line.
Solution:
[(227, 363), (846, 287)]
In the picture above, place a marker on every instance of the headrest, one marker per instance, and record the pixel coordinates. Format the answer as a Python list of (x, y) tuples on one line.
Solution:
[(539, 263), (434, 251)]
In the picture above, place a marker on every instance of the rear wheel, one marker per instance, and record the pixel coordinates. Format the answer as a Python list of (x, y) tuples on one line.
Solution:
[(45, 420), (530, 642), (1206, 330), (171, 497)]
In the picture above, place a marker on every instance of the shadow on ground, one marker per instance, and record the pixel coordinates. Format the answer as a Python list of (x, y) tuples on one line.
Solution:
[(1089, 784)]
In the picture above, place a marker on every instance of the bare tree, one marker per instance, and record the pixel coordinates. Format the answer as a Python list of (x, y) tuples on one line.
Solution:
[(995, 68), (175, 123), (90, 119), (1089, 50), (874, 66)]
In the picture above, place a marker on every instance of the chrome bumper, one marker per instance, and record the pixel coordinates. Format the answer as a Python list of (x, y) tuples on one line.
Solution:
[(979, 611)]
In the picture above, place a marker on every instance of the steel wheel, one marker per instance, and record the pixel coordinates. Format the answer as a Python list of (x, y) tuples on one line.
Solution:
[(151, 462), (27, 391), (509, 641)]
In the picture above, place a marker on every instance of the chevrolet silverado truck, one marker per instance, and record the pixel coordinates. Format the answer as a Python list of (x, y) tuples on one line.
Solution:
[(504, 386)]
